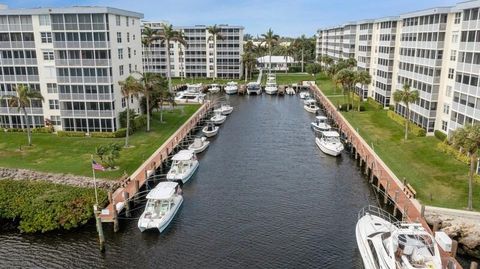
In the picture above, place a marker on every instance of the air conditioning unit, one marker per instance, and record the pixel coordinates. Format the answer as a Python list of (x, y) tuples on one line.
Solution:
[(443, 241)]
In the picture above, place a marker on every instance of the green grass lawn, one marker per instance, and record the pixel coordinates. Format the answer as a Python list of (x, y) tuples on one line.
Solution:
[(51, 153), (438, 178)]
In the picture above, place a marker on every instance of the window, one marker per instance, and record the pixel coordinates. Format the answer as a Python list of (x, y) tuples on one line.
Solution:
[(44, 19), (55, 120), (453, 55), (120, 54), (48, 55), (446, 108), (130, 68), (444, 125), (451, 72), (448, 92), (53, 104), (118, 20), (457, 17), (128, 37), (121, 70), (124, 103), (119, 37), (129, 53), (46, 37), (52, 88)]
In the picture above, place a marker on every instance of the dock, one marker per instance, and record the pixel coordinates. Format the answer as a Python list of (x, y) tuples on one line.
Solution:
[(395, 191)]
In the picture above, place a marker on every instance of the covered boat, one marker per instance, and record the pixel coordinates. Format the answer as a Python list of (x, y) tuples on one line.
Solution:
[(184, 164), (199, 144)]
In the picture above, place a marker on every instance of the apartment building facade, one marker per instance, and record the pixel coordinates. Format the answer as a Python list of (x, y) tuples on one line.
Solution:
[(197, 59), (436, 51), (75, 57)]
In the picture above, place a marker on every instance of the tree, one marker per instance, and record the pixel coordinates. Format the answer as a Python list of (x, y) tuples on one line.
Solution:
[(327, 61), (23, 100), (130, 87), (351, 63), (364, 79), (467, 139), (167, 35), (109, 154), (149, 36), (161, 95), (214, 32), (407, 97), (148, 81), (346, 77), (314, 69), (305, 46), (248, 61), (287, 51), (270, 40)]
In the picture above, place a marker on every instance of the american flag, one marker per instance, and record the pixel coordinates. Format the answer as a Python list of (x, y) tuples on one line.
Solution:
[(97, 166)]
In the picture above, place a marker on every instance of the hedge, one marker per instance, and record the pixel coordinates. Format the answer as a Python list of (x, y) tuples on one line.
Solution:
[(343, 107), (70, 134), (119, 133), (374, 104), (140, 122), (34, 130), (457, 154), (412, 128), (440, 135)]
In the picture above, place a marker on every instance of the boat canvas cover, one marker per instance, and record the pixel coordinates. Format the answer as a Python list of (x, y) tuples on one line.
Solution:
[(321, 118), (197, 142), (183, 155), (330, 134), (163, 191)]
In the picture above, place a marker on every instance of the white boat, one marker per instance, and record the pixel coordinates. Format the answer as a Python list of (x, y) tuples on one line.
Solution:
[(330, 143), (387, 243), (210, 130), (254, 87), (320, 124), (308, 101), (290, 91), (271, 86), (214, 88), (163, 203), (311, 107), (304, 95), (224, 109), (199, 144), (184, 164), (231, 88), (192, 94), (218, 118)]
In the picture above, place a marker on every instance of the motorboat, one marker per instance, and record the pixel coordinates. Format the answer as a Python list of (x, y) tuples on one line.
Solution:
[(199, 144), (330, 143), (308, 101), (320, 124), (214, 88), (184, 164), (311, 107), (254, 87), (224, 109), (193, 94), (162, 205), (218, 118), (290, 91), (385, 242), (231, 88), (304, 95), (210, 130), (271, 86)]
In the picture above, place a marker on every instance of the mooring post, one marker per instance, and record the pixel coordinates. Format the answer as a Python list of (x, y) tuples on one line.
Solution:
[(110, 195), (454, 248), (422, 211), (116, 225), (126, 199), (385, 199), (101, 236), (395, 200), (436, 226), (474, 265), (137, 189), (405, 213)]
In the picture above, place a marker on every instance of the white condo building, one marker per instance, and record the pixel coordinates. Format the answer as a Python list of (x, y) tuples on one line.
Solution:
[(198, 59), (75, 57), (436, 51)]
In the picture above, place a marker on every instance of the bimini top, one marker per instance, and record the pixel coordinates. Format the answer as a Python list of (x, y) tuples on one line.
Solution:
[(330, 134), (321, 117), (164, 190), (232, 83), (183, 155)]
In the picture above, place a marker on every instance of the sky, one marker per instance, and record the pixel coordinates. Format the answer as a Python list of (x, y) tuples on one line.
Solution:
[(286, 18)]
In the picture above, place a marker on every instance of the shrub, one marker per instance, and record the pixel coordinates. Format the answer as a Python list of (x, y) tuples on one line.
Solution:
[(140, 122), (440, 135), (123, 118), (14, 130), (343, 107), (374, 104), (412, 128), (294, 69), (48, 129), (457, 154), (70, 134), (109, 154)]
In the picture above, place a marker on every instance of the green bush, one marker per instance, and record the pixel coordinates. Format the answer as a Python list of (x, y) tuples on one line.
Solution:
[(43, 206), (412, 128), (294, 69), (140, 122), (70, 134), (440, 135), (14, 130), (457, 154), (43, 130), (374, 104), (123, 118), (109, 154), (343, 107)]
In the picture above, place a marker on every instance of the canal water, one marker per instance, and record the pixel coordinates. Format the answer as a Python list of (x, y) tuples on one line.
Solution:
[(264, 197)]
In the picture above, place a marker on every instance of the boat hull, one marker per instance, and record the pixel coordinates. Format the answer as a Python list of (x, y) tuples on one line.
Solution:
[(257, 92), (219, 120), (311, 110), (317, 128), (214, 90), (328, 150), (231, 90), (163, 223), (200, 149), (271, 91), (210, 133), (185, 177)]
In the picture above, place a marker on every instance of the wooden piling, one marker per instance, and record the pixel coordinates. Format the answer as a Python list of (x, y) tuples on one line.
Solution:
[(454, 248), (385, 197), (422, 211), (436, 226), (116, 225), (136, 189), (474, 265), (126, 199), (98, 221), (110, 195), (395, 200)]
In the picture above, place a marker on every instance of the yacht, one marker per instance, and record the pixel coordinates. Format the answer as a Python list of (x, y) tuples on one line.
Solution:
[(210, 130), (231, 88), (214, 88), (193, 94), (184, 164), (199, 144), (330, 143), (308, 101), (311, 107), (304, 95), (290, 91), (218, 119), (271, 87), (224, 109), (254, 87), (320, 124), (386, 243), (163, 203)]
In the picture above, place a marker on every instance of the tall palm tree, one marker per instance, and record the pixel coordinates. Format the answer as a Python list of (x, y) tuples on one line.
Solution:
[(364, 79), (407, 97), (214, 32), (351, 62), (301, 45), (287, 51), (148, 82), (248, 61), (167, 35), (327, 60), (346, 78), (249, 46), (270, 39), (130, 87), (149, 36), (23, 100), (467, 139)]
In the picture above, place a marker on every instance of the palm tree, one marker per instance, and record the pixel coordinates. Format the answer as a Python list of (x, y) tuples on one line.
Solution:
[(301, 44), (467, 139), (22, 100), (214, 32), (130, 87), (248, 61), (351, 62), (327, 60), (287, 51), (249, 46), (346, 77), (363, 78), (149, 36), (270, 39), (148, 82), (407, 97), (167, 35)]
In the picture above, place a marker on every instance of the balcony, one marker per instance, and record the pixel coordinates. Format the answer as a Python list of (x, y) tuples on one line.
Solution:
[(87, 113), (5, 44)]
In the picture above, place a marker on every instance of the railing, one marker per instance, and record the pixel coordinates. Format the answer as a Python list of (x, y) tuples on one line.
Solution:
[(378, 212)]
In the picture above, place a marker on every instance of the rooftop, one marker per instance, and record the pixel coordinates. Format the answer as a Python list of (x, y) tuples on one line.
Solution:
[(69, 10)]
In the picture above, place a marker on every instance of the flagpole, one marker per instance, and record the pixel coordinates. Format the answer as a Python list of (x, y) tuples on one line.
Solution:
[(94, 182)]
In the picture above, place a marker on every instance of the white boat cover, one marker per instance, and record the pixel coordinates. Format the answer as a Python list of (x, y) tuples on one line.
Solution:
[(321, 117), (164, 190), (183, 155), (330, 134)]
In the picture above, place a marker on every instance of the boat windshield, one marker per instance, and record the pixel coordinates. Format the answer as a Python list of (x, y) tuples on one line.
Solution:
[(157, 208), (331, 139), (180, 167)]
